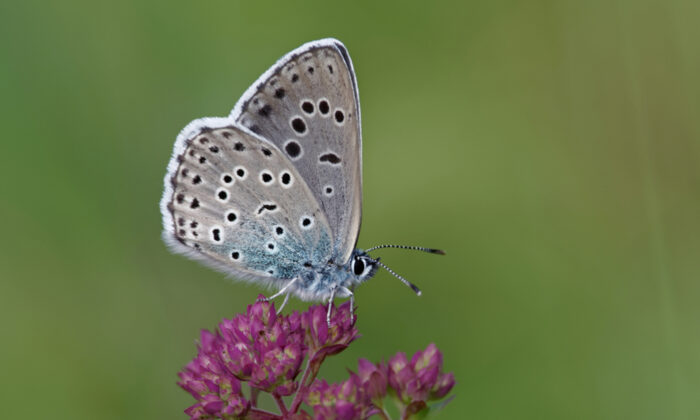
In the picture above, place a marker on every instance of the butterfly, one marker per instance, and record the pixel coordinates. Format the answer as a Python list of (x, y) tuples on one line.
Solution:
[(272, 194)]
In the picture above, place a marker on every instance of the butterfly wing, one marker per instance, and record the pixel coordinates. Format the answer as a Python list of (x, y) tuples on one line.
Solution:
[(308, 106), (235, 202)]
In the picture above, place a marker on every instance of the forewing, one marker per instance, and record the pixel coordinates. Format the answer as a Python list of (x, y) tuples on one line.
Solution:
[(236, 202), (308, 105)]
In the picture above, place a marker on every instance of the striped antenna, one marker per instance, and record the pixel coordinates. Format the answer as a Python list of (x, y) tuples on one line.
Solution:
[(393, 273), (416, 248)]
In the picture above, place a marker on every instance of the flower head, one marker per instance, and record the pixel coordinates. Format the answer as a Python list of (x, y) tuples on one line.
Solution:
[(264, 349), (346, 400), (323, 340), (335, 338), (421, 379), (374, 379), (218, 393)]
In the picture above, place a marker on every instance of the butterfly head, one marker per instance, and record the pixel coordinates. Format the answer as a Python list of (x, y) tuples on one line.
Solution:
[(364, 267)]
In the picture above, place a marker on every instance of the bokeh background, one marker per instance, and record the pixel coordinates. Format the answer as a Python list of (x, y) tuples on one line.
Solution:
[(551, 147)]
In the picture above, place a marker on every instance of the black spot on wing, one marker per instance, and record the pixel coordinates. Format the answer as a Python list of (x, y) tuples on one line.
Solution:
[(265, 110), (293, 149), (323, 107), (268, 207), (299, 125), (331, 158)]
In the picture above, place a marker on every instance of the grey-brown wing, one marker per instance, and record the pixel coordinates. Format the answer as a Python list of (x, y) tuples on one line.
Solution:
[(308, 106), (235, 202)]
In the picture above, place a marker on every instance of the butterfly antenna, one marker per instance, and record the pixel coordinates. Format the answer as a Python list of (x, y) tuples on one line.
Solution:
[(416, 248), (403, 280)]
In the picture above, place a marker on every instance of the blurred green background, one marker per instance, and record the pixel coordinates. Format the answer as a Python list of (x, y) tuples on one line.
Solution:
[(551, 147)]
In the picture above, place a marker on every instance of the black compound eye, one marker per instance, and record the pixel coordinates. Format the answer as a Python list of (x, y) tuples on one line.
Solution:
[(358, 267)]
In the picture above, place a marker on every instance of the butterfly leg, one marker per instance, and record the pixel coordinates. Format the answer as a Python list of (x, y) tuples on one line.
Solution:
[(286, 299), (352, 298), (330, 306), (282, 290)]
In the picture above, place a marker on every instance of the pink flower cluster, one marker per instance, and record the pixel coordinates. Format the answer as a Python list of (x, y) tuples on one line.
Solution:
[(266, 350), (412, 384)]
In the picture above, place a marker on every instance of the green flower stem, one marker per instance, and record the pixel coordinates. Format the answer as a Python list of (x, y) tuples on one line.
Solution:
[(258, 414), (280, 404), (302, 388), (383, 414), (254, 396)]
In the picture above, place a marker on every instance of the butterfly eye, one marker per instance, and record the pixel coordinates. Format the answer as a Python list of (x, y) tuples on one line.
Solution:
[(358, 267)]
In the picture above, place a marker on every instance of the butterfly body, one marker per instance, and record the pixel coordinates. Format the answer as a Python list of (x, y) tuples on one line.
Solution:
[(317, 282), (272, 194)]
